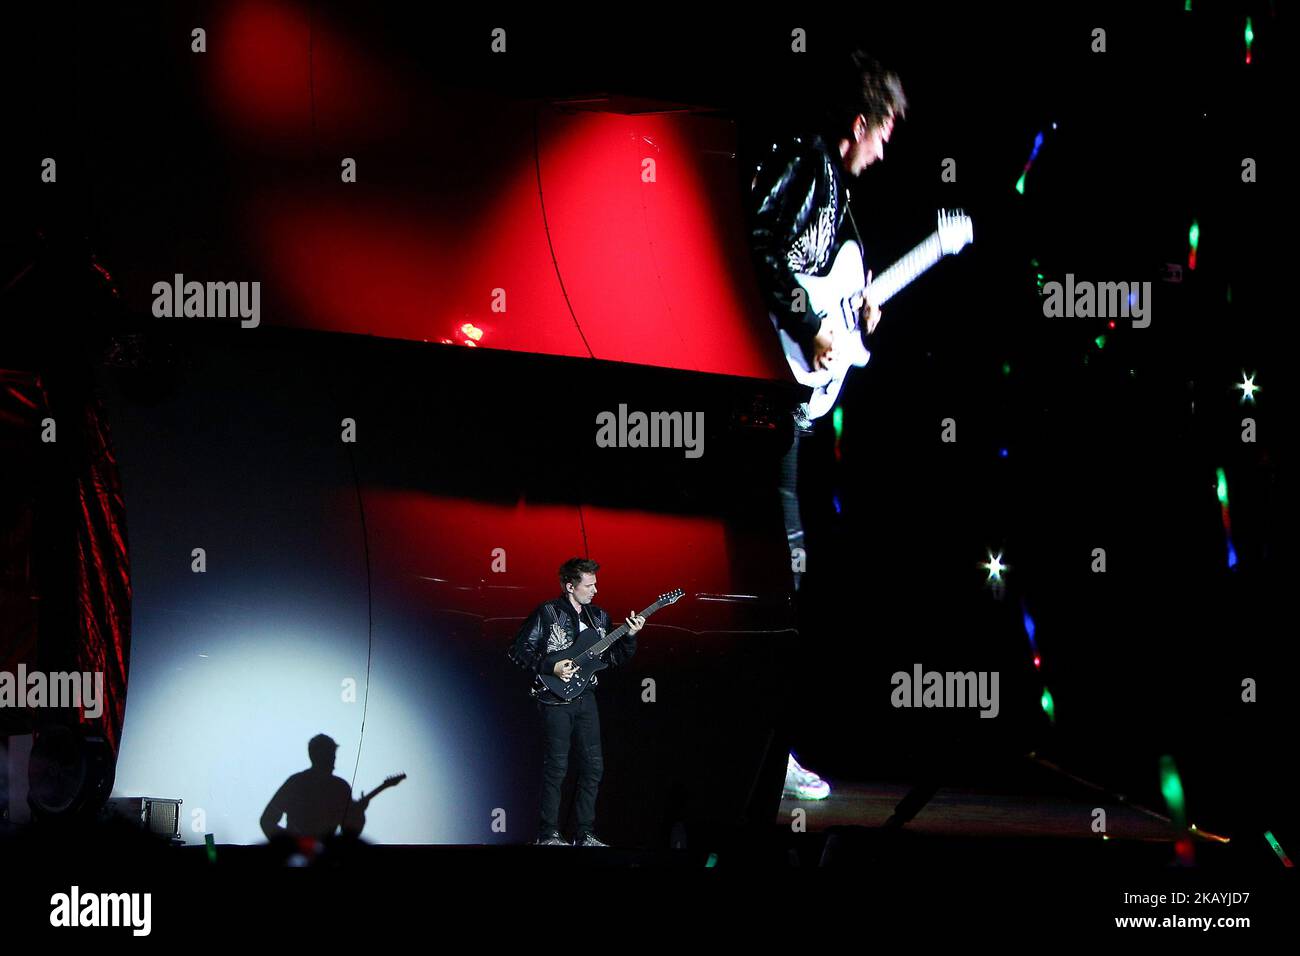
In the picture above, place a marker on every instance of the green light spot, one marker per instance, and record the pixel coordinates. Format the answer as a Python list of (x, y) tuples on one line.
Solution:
[(837, 418), (211, 845), (1277, 847), (1188, 7), (1020, 184), (1049, 705), (1222, 489), (712, 860), (1171, 786), (1006, 368), (1101, 341), (1250, 33), (1194, 234)]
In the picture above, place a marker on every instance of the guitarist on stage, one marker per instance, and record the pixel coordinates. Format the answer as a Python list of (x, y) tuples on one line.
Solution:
[(552, 627), (315, 803), (799, 200)]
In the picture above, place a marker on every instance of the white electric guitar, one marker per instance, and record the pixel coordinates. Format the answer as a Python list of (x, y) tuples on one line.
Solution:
[(840, 294)]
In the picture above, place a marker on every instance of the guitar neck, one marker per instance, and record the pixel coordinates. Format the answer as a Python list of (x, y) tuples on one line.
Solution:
[(606, 642), (901, 273)]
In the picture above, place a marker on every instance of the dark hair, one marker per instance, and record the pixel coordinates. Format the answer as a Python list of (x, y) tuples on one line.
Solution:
[(321, 750), (571, 571), (859, 84)]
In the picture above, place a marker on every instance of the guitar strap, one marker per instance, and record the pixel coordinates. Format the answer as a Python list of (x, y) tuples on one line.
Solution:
[(848, 208)]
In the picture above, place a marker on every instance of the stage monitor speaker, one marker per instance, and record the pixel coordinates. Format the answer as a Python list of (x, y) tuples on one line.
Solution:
[(70, 774)]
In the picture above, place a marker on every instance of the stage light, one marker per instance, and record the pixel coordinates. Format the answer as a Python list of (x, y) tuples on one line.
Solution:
[(1248, 387), (1193, 240), (1049, 705), (1250, 39), (1171, 786), (1277, 848), (995, 567)]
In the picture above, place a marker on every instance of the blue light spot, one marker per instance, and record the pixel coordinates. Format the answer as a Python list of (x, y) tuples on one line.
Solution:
[(836, 499), (1002, 453), (1232, 555), (1038, 141), (1029, 625)]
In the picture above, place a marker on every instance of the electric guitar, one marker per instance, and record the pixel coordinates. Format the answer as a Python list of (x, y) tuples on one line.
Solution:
[(356, 816), (840, 294), (585, 653)]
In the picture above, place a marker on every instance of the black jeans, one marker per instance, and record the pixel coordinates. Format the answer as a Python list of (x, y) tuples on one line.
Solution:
[(564, 725)]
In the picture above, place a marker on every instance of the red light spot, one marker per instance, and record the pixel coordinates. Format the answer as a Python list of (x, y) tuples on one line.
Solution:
[(1038, 661), (1111, 323)]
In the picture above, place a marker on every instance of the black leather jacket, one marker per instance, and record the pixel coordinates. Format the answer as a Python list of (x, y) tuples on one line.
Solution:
[(798, 202), (552, 627)]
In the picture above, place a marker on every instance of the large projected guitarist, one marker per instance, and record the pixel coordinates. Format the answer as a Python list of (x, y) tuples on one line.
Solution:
[(562, 644), (799, 199)]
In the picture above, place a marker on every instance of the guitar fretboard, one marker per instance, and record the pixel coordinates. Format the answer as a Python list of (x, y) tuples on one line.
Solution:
[(902, 272), (608, 640)]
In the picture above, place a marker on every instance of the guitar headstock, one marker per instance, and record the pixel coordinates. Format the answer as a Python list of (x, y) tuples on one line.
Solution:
[(394, 780), (956, 231), (672, 597)]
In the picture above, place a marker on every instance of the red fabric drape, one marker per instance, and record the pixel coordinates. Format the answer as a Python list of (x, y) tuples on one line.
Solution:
[(75, 499)]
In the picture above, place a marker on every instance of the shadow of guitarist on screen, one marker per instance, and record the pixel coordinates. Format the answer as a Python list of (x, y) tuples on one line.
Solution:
[(315, 803)]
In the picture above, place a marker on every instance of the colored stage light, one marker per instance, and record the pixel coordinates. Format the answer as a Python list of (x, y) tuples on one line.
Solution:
[(1193, 240), (1049, 705), (1171, 786), (1277, 848), (1250, 39)]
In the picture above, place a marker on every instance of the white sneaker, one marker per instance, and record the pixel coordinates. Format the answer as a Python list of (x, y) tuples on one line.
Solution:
[(803, 784)]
